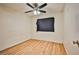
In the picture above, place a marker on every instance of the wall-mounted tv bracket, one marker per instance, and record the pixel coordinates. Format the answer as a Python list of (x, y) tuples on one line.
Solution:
[(76, 42)]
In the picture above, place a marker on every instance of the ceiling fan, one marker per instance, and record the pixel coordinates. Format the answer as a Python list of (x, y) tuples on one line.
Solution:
[(36, 8)]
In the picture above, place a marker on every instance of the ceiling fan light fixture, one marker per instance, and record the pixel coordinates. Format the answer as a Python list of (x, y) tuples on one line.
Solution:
[(36, 8), (36, 12)]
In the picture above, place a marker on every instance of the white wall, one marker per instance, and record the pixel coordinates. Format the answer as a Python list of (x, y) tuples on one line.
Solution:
[(71, 17), (15, 27), (50, 36)]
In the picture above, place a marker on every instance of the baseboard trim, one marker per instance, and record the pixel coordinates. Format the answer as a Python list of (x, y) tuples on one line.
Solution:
[(14, 45)]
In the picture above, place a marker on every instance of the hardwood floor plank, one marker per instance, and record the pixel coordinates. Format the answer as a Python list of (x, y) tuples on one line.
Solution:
[(35, 47)]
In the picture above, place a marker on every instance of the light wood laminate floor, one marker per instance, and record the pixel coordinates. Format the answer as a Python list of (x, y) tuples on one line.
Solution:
[(35, 47)]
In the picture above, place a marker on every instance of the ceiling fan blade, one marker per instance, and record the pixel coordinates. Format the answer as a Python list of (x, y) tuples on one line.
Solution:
[(28, 11), (42, 11), (43, 5), (29, 5)]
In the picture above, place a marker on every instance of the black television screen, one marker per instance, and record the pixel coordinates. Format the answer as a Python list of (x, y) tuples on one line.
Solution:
[(45, 24)]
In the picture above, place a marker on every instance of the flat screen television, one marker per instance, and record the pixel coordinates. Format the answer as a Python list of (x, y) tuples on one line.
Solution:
[(45, 24)]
